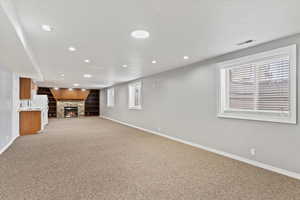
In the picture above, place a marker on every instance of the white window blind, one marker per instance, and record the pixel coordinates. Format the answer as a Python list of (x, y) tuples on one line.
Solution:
[(135, 95), (242, 87), (110, 97), (260, 87)]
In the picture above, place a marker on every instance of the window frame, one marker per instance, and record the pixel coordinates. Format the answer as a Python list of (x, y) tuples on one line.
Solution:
[(108, 97), (133, 85), (272, 116)]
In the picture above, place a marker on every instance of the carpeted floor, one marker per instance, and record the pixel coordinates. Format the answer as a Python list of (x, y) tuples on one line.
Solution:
[(96, 159)]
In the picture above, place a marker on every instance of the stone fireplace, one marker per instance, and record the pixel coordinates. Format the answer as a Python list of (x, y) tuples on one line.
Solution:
[(71, 112), (67, 109)]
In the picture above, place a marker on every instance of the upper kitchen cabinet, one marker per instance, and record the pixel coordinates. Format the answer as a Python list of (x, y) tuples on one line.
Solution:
[(27, 88)]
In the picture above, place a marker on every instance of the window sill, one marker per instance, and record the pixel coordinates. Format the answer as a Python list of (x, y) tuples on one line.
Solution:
[(135, 108), (266, 118)]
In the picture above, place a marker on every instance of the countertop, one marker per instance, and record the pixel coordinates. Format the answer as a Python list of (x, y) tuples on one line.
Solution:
[(27, 109)]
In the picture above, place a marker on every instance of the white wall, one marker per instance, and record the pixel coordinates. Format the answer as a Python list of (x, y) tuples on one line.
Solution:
[(9, 120), (15, 105), (182, 103)]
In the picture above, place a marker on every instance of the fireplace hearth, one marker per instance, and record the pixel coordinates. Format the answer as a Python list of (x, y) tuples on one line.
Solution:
[(70, 112)]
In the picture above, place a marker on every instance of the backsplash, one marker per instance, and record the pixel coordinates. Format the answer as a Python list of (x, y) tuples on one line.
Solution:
[(25, 103)]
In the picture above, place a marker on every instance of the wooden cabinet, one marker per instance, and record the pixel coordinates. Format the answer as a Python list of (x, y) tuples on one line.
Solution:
[(30, 122), (25, 88)]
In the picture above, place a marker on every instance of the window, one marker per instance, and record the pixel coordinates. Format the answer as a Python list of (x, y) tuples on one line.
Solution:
[(135, 95), (260, 87), (110, 97)]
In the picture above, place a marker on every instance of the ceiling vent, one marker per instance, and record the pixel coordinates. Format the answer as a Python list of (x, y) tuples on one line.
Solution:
[(245, 42)]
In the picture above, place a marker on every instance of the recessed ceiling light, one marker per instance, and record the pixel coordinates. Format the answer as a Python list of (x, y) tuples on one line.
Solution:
[(62, 75), (87, 61), (124, 66), (76, 84), (70, 89), (83, 89), (87, 75), (140, 34), (56, 88), (154, 61), (71, 48), (46, 27), (186, 57)]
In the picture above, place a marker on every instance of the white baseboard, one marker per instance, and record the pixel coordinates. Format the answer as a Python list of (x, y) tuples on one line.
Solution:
[(229, 155), (8, 145)]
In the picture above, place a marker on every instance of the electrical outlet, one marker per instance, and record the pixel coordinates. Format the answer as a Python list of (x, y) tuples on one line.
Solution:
[(7, 138), (252, 151)]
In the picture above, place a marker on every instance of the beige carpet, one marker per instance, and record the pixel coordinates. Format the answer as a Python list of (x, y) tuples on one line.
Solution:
[(92, 158)]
